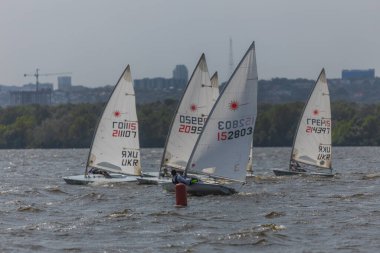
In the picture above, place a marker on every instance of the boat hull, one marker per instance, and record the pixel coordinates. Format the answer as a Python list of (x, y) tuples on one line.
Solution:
[(99, 179), (152, 178), (294, 173), (202, 189)]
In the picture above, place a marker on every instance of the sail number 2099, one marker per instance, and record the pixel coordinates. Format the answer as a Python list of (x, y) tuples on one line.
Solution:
[(222, 136), (184, 128)]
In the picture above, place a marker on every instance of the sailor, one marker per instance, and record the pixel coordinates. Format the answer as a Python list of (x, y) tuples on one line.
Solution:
[(105, 174), (177, 178), (295, 166), (100, 172)]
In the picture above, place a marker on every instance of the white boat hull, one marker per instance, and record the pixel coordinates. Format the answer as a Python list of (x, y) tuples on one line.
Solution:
[(202, 189), (100, 179)]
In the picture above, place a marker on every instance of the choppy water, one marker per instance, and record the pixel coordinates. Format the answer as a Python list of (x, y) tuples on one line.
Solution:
[(40, 213)]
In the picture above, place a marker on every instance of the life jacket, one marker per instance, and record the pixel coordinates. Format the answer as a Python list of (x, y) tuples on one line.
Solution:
[(194, 180)]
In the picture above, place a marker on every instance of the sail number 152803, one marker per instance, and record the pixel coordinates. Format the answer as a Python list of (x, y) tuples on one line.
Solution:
[(229, 135), (233, 129)]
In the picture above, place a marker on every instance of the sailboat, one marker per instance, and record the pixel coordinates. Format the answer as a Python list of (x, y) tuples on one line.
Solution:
[(188, 121), (312, 149), (114, 154), (222, 149), (192, 111)]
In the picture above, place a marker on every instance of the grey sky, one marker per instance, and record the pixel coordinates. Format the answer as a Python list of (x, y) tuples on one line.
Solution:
[(96, 39)]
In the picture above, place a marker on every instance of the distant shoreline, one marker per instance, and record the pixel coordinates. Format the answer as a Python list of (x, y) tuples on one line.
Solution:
[(72, 126)]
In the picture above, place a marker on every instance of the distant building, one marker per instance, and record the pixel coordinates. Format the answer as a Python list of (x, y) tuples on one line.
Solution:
[(356, 74), (27, 94), (41, 86), (42, 97), (64, 83), (180, 73), (177, 82), (159, 83)]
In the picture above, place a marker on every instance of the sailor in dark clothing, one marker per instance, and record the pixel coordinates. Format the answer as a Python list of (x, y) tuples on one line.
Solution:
[(177, 178), (100, 172), (295, 166)]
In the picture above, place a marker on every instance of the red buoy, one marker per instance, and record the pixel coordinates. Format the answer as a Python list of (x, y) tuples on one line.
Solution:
[(180, 195)]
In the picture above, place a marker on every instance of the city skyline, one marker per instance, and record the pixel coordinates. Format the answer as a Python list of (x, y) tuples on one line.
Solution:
[(95, 40)]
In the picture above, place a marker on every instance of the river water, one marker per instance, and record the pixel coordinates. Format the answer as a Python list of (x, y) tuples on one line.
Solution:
[(41, 213)]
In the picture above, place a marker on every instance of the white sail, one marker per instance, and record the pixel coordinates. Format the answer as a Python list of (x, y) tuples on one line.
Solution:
[(312, 143), (223, 147), (250, 161), (191, 114), (115, 145), (215, 87)]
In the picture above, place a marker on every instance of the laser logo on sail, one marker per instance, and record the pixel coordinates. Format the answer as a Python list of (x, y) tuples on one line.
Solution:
[(116, 113), (234, 105)]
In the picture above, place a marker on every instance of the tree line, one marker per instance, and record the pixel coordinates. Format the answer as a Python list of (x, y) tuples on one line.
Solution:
[(73, 126)]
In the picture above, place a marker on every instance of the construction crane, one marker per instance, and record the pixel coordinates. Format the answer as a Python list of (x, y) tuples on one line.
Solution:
[(37, 74)]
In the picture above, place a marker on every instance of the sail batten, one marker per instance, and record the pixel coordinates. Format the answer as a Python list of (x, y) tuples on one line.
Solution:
[(115, 146)]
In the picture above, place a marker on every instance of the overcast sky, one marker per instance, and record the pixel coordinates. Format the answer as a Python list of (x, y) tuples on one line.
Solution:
[(96, 39)]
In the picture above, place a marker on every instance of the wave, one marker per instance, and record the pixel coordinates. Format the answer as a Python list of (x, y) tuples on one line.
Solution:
[(251, 236), (55, 190), (371, 176), (352, 196), (122, 214), (90, 196), (29, 209), (274, 215), (166, 213)]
